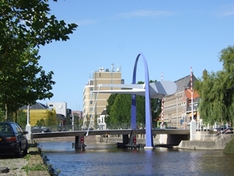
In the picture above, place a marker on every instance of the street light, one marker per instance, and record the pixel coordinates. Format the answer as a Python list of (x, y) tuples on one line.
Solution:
[(28, 126), (193, 122), (191, 104)]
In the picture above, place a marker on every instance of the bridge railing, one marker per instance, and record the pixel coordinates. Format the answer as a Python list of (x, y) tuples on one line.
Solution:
[(108, 127), (78, 127), (55, 128)]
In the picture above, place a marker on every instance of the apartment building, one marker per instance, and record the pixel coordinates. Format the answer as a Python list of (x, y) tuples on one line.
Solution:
[(95, 103), (177, 107), (39, 111)]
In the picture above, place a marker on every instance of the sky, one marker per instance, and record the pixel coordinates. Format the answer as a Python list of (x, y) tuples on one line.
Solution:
[(172, 35)]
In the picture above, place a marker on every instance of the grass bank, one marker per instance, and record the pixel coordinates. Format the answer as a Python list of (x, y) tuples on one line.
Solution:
[(38, 163)]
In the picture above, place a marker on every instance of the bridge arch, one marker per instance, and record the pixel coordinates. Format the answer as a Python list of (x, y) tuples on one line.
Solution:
[(148, 115)]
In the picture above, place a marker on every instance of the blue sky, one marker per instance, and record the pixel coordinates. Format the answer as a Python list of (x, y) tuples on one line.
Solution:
[(172, 35)]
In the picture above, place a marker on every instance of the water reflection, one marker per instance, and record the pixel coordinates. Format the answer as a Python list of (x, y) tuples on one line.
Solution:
[(106, 159)]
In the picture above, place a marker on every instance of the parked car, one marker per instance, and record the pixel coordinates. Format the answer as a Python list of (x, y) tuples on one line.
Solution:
[(220, 128), (40, 129), (12, 139), (224, 130)]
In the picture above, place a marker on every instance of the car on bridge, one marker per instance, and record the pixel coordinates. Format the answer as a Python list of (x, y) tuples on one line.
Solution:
[(40, 129), (12, 139), (224, 130)]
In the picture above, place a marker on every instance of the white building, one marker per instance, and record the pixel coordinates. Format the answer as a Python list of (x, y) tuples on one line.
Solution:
[(101, 121), (60, 107)]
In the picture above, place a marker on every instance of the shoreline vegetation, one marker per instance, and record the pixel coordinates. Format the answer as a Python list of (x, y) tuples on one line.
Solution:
[(38, 163), (229, 148)]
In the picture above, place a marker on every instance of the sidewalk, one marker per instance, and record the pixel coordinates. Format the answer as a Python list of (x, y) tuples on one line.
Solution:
[(30, 165)]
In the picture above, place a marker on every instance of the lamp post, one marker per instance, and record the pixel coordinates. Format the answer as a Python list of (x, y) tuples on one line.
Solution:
[(28, 126), (193, 122), (191, 92)]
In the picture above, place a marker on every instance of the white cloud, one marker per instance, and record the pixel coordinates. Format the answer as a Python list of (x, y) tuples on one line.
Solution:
[(144, 13), (227, 10)]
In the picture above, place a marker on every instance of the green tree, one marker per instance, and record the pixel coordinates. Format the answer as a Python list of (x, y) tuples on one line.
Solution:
[(22, 118), (41, 122), (78, 122), (32, 83), (226, 76), (140, 111), (216, 91), (28, 23), (110, 102), (51, 120), (207, 95), (2, 117), (25, 26), (119, 110)]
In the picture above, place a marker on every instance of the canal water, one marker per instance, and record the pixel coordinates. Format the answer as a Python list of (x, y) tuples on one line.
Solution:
[(107, 160)]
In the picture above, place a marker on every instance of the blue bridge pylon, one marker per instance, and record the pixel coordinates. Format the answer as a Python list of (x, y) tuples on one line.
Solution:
[(149, 90)]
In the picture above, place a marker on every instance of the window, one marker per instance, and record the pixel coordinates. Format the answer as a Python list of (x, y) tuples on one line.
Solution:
[(16, 128), (5, 128)]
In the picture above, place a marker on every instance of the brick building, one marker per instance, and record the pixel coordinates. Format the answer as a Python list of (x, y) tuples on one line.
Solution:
[(177, 107)]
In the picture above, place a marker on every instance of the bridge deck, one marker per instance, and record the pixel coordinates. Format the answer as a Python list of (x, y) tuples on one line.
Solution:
[(109, 132)]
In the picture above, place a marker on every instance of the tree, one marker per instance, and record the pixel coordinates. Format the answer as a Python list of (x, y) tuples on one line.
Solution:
[(120, 112), (227, 75), (41, 122), (32, 83), (2, 117), (216, 91), (208, 95), (78, 121), (119, 109), (51, 120), (22, 120), (110, 102), (28, 23), (140, 111), (24, 27)]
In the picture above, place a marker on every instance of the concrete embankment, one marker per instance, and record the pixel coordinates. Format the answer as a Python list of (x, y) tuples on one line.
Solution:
[(217, 144), (36, 164), (32, 164)]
